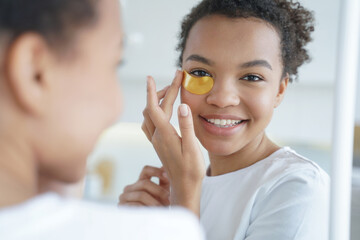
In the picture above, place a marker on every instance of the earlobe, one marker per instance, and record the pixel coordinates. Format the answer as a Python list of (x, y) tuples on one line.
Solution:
[(24, 71), (282, 89)]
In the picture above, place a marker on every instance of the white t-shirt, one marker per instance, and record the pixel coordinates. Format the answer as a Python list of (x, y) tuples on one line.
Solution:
[(284, 196), (51, 217)]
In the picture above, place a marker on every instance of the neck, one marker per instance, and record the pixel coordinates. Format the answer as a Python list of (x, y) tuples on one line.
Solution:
[(260, 148), (18, 181)]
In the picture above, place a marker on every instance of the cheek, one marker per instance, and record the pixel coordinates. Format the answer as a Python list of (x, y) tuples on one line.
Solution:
[(262, 105), (194, 101), (105, 96), (90, 105)]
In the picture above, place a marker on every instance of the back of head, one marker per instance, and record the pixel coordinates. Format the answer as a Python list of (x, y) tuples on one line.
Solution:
[(55, 20), (293, 22), (58, 88)]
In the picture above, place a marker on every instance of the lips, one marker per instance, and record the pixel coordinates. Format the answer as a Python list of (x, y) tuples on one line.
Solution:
[(223, 125)]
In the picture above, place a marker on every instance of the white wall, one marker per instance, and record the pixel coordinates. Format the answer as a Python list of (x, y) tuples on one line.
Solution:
[(357, 117), (152, 28)]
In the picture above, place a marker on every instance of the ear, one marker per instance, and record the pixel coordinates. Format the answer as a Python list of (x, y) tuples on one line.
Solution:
[(25, 67), (282, 89)]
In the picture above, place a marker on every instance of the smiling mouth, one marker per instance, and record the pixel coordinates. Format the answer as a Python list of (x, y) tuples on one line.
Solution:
[(223, 123)]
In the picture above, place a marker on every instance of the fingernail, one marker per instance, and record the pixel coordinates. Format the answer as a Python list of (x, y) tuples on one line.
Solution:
[(165, 175), (184, 110)]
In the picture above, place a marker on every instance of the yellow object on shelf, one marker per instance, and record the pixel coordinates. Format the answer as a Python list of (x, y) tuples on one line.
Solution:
[(357, 141)]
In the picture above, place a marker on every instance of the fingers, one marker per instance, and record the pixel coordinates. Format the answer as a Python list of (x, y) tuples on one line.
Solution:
[(148, 126), (153, 191), (161, 94), (171, 94), (161, 114), (165, 184), (148, 172), (186, 127), (145, 192), (139, 197), (156, 114)]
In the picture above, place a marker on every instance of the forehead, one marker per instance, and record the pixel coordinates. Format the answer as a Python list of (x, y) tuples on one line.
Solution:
[(109, 15), (221, 38)]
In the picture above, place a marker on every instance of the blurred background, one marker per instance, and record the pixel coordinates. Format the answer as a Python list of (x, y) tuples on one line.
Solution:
[(303, 121)]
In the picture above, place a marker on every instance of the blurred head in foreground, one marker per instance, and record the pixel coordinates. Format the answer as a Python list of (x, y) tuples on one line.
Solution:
[(58, 88)]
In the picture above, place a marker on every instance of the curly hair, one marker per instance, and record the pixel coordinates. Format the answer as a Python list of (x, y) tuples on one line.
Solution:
[(292, 21), (55, 20)]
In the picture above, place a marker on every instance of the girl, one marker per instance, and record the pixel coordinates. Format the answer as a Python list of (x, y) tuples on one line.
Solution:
[(237, 57), (58, 92)]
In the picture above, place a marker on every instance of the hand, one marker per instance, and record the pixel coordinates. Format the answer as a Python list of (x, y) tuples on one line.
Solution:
[(181, 156), (145, 192)]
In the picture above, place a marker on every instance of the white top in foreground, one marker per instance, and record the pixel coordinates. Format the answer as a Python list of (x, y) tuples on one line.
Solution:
[(284, 196), (51, 217)]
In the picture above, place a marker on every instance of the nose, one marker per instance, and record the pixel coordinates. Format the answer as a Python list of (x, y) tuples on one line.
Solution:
[(224, 94)]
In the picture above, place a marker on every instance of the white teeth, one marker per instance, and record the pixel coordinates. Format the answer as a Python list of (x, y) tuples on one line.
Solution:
[(224, 122)]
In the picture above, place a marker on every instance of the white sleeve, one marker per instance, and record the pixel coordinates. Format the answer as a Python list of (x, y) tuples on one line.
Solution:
[(295, 208)]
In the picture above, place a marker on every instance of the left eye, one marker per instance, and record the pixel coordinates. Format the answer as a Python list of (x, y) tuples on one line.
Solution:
[(252, 78)]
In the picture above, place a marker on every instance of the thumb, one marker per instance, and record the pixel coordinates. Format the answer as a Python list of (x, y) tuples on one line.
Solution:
[(186, 127)]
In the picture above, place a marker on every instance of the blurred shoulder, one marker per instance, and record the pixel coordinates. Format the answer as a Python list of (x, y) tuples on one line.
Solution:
[(52, 217)]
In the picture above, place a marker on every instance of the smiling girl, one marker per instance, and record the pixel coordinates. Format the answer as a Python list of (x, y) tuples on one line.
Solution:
[(253, 189)]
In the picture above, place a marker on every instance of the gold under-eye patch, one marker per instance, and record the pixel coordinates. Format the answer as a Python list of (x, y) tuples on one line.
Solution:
[(197, 85)]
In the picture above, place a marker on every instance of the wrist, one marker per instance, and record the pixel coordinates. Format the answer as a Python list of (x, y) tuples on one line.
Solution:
[(188, 196)]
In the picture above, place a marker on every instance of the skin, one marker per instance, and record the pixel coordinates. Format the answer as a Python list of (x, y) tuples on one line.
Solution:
[(244, 58), (181, 171), (241, 50), (55, 106)]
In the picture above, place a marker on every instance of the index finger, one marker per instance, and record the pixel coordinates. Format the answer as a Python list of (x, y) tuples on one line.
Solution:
[(171, 94), (155, 112)]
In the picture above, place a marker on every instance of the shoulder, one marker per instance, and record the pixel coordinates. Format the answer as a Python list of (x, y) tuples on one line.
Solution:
[(286, 164), (293, 195), (51, 217), (138, 223), (288, 175)]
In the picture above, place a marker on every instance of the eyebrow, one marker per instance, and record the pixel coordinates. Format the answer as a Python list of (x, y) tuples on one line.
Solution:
[(254, 63), (199, 58), (261, 63)]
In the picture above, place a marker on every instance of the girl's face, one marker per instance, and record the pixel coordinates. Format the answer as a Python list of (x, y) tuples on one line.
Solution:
[(244, 58)]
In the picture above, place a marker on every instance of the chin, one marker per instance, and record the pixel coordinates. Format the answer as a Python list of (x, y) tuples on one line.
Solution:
[(73, 171), (73, 175), (219, 148)]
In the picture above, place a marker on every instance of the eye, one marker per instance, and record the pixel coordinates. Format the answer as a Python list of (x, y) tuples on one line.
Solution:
[(200, 73), (252, 78)]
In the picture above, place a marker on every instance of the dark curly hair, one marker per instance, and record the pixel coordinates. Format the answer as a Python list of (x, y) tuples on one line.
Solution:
[(293, 22), (55, 20)]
